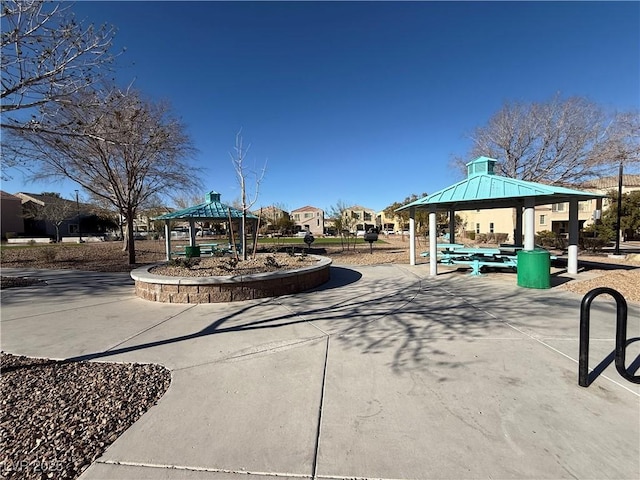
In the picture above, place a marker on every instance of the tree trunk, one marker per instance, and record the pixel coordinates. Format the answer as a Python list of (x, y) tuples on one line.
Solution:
[(130, 239)]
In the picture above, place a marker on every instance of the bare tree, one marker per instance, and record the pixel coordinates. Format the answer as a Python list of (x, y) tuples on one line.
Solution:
[(558, 142), (118, 146), (344, 223), (47, 56), (244, 175), (55, 210)]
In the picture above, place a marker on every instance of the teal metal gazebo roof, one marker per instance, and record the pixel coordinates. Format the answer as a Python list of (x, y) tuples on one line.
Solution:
[(211, 209), (484, 189)]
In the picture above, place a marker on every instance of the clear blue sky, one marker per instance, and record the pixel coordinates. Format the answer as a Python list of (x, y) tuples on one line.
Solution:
[(360, 102)]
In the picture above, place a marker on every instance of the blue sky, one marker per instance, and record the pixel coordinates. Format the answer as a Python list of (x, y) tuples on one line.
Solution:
[(360, 102)]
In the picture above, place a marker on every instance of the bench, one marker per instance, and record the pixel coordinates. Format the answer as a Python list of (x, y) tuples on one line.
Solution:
[(477, 262)]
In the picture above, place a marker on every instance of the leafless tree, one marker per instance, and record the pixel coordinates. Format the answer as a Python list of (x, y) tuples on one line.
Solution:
[(47, 57), (344, 223), (561, 141), (55, 210), (118, 146), (245, 175)]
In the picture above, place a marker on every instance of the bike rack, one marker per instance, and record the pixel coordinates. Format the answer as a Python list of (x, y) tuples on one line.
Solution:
[(621, 335)]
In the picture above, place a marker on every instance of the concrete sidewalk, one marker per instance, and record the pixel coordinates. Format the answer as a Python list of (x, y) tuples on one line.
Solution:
[(381, 373)]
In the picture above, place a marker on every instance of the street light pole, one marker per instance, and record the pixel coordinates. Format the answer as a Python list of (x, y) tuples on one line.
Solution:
[(78, 209), (619, 216)]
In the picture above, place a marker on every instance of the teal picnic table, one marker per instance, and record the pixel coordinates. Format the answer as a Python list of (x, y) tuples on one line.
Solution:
[(445, 251), (208, 248)]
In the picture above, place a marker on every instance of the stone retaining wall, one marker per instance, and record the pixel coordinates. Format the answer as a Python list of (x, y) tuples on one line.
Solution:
[(160, 288)]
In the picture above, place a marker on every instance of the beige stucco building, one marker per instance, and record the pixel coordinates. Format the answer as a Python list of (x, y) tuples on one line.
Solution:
[(310, 219)]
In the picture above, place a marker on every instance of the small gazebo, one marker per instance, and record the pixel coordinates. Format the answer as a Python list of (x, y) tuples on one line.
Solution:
[(211, 210), (483, 189)]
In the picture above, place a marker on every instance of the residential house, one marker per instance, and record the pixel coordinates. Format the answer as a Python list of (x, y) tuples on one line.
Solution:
[(271, 218), (390, 224), (360, 218), (12, 218), (309, 219), (49, 215)]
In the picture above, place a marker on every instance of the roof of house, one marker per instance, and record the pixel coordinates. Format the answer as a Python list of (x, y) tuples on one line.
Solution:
[(211, 209), (306, 208), (608, 183), (7, 196), (484, 189)]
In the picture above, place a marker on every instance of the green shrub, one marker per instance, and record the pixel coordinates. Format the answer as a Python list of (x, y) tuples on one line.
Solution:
[(595, 244), (481, 238), (470, 234)]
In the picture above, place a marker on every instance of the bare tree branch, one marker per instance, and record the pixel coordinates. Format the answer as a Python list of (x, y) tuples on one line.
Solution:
[(561, 141)]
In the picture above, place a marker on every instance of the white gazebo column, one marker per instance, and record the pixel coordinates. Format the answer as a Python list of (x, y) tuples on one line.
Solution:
[(452, 226), (167, 239), (529, 223), (412, 235), (572, 262), (433, 246), (517, 239)]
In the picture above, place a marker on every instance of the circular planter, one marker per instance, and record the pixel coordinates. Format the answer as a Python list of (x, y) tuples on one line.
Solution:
[(233, 288)]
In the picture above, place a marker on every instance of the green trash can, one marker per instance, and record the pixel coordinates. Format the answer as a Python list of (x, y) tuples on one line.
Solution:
[(534, 268), (190, 252)]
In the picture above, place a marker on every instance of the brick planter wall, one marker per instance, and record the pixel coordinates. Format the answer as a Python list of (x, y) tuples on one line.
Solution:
[(160, 288)]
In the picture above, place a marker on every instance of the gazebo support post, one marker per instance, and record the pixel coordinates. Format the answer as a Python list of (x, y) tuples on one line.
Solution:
[(452, 226), (412, 236), (517, 233), (529, 223), (167, 239), (433, 243), (572, 262), (192, 232)]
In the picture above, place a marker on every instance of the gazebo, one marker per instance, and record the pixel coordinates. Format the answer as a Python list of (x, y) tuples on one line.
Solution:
[(211, 210), (483, 189)]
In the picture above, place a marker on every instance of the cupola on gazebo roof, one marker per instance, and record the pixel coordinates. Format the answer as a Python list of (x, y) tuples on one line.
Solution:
[(211, 209)]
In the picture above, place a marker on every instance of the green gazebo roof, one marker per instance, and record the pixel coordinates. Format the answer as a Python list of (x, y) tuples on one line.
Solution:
[(484, 189), (211, 209)]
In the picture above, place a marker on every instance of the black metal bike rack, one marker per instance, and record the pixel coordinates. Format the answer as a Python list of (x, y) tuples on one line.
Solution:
[(621, 335)]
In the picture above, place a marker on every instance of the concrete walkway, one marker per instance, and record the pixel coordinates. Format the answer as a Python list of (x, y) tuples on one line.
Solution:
[(382, 373)]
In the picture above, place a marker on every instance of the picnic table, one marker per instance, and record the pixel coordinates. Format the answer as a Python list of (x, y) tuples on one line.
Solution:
[(506, 256)]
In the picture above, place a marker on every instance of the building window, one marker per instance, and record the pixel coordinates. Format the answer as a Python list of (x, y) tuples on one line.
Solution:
[(367, 217), (296, 216), (477, 228), (543, 219), (558, 207), (491, 227)]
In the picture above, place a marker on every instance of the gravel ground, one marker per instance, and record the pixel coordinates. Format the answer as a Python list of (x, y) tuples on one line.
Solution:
[(58, 417), (222, 266)]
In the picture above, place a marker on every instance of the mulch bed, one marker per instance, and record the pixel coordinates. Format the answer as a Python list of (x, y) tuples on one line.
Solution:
[(58, 417)]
